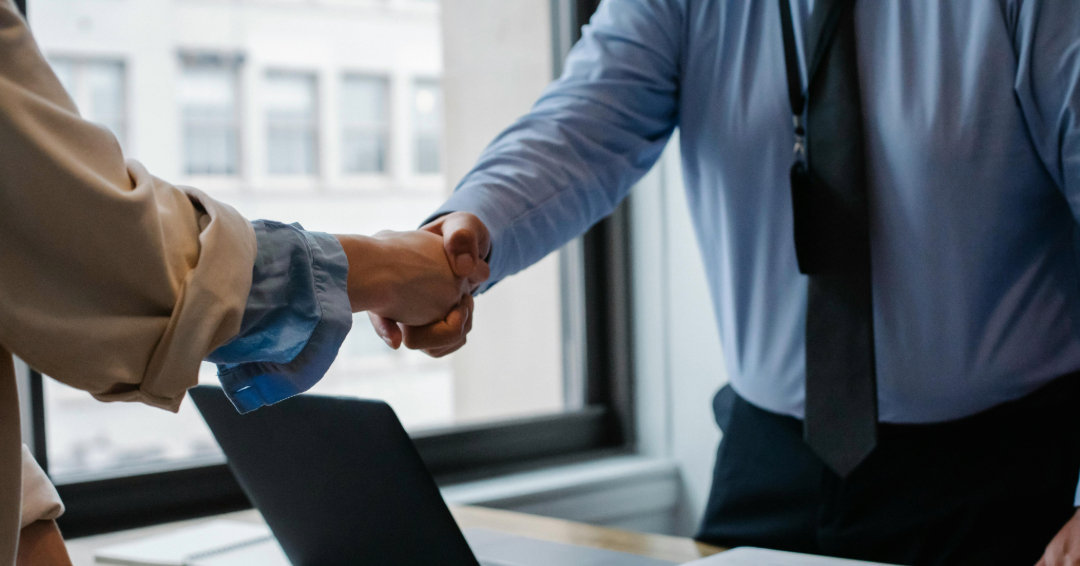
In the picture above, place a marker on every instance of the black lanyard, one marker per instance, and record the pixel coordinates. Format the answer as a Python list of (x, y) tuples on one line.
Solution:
[(796, 94)]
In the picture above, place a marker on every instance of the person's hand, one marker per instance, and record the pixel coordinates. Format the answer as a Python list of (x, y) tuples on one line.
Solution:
[(1064, 550), (402, 276), (466, 244)]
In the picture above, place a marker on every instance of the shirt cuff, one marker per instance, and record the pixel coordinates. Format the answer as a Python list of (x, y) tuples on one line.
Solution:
[(40, 502), (298, 314)]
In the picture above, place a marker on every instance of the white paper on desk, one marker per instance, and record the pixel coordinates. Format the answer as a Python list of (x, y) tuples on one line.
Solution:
[(179, 547), (267, 553), (750, 556)]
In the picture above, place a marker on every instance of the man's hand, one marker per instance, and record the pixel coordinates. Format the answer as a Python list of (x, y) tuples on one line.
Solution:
[(1064, 550), (466, 244), (402, 276)]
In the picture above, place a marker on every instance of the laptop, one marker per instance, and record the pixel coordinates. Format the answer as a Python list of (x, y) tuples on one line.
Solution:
[(339, 482)]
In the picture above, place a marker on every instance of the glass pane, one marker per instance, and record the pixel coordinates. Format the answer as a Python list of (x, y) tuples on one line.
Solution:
[(105, 92), (363, 101), (364, 124), (92, 438), (427, 117), (290, 122), (207, 98), (364, 151), (292, 150), (65, 71), (193, 111), (97, 88)]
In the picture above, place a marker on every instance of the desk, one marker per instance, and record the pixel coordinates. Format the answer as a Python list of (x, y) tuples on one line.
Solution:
[(675, 549)]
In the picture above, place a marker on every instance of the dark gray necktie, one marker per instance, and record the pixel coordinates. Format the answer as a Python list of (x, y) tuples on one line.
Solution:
[(832, 240)]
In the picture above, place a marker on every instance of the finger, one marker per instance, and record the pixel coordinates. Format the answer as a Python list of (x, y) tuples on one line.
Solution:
[(470, 304), (441, 334), (387, 329), (480, 274), (467, 241), (461, 248), (442, 352)]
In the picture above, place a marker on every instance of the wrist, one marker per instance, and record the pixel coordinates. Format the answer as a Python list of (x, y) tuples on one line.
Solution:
[(368, 281)]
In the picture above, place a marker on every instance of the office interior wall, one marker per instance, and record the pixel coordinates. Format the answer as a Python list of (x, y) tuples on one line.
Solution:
[(497, 60), (678, 358)]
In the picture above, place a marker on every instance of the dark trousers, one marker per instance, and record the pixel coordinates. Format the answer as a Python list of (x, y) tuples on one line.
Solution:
[(993, 488)]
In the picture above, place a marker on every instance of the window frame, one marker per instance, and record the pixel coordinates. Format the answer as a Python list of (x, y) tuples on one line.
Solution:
[(602, 426)]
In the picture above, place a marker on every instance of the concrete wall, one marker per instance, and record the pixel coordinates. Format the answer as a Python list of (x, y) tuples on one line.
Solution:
[(497, 60), (678, 361)]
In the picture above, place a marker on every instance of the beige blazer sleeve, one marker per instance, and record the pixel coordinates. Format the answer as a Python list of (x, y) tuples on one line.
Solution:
[(111, 280)]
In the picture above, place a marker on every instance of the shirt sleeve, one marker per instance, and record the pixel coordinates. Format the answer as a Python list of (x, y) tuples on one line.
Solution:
[(1047, 43), (593, 133), (40, 501), (297, 316)]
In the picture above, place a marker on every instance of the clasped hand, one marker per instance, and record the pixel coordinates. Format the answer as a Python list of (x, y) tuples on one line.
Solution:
[(417, 286)]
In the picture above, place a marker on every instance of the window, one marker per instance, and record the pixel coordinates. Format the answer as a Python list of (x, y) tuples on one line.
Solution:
[(97, 88), (365, 121), (291, 127), (208, 106), (294, 125), (427, 124)]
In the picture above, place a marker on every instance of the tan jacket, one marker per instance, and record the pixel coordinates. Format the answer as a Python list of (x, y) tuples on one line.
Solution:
[(111, 280)]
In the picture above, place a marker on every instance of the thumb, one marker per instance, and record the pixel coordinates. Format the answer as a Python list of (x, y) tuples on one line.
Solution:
[(387, 329), (462, 250), (467, 243)]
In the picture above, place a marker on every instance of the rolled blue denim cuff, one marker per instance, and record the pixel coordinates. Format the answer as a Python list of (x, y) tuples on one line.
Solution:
[(297, 316)]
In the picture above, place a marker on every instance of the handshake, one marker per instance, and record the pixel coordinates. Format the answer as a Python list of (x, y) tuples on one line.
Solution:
[(417, 286)]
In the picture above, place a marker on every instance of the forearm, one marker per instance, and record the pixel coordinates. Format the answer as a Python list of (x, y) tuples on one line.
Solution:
[(370, 285), (592, 135), (41, 544)]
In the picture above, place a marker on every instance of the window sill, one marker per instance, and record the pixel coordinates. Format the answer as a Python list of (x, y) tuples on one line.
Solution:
[(630, 492)]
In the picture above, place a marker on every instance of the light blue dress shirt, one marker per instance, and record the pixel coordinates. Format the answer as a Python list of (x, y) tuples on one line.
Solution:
[(972, 118), (297, 316)]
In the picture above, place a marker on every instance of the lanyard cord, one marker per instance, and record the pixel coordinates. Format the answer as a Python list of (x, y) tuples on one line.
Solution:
[(796, 95), (791, 56)]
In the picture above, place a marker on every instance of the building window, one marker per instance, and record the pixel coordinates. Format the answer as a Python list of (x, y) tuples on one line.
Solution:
[(365, 132), (97, 87), (427, 125), (291, 123), (209, 110)]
